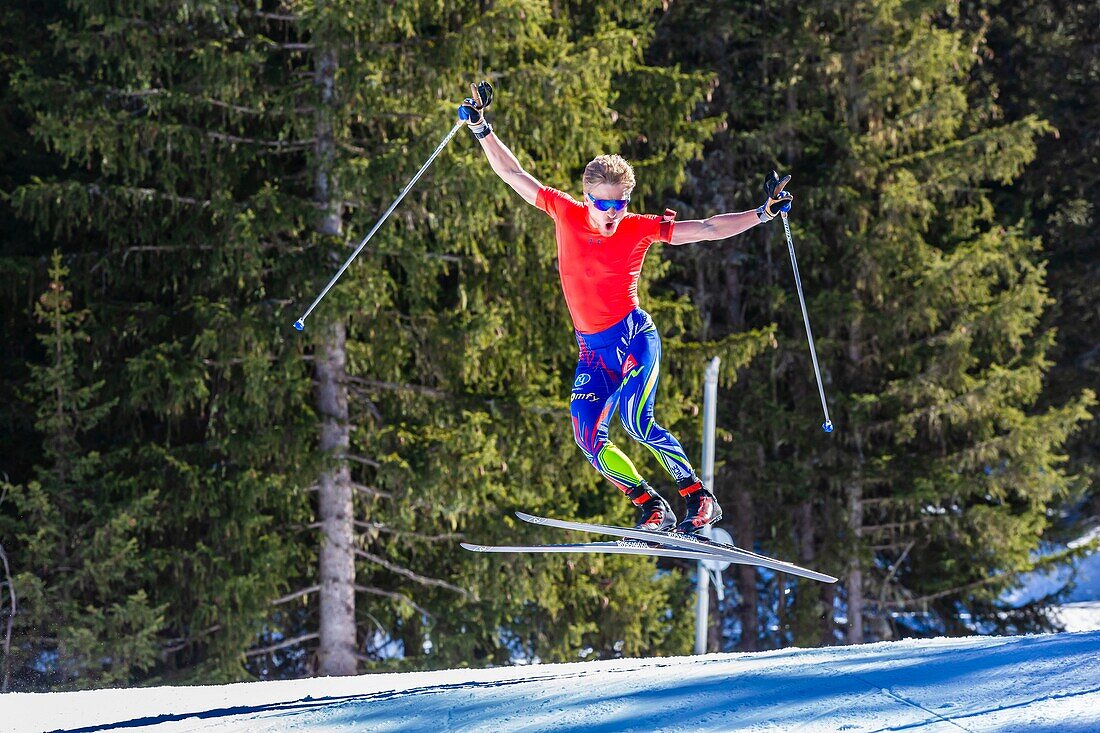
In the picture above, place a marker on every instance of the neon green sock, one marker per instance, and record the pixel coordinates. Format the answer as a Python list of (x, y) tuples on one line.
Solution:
[(614, 464)]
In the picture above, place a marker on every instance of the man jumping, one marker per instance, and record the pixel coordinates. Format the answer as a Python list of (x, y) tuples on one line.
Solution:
[(601, 248)]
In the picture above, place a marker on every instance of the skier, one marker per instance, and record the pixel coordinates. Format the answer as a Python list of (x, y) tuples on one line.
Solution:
[(601, 248)]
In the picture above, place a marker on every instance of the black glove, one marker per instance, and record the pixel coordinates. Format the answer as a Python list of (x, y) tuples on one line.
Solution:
[(471, 109), (778, 199)]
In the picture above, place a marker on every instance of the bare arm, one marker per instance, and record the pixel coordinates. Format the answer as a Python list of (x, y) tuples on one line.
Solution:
[(728, 225), (505, 165), (720, 226), (501, 159)]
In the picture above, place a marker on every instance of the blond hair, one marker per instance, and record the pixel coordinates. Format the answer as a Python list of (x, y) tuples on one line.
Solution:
[(611, 169)]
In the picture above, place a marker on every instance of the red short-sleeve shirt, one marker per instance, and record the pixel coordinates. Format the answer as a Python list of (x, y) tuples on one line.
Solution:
[(599, 273)]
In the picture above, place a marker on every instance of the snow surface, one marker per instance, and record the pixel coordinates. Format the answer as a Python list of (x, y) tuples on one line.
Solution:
[(1023, 683)]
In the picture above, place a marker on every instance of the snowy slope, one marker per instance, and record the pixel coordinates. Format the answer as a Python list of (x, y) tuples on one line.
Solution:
[(1035, 683)]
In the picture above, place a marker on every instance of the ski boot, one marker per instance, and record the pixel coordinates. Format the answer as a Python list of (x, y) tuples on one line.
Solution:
[(702, 508), (654, 513)]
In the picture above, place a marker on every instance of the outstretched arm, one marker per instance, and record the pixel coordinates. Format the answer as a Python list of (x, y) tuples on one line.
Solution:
[(505, 165), (722, 226), (715, 227), (503, 162)]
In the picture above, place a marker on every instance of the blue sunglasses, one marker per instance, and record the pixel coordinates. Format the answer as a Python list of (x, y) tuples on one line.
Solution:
[(608, 204)]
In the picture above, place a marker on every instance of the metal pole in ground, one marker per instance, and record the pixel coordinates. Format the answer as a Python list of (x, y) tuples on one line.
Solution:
[(702, 583)]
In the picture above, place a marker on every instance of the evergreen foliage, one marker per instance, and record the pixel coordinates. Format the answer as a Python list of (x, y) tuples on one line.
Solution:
[(200, 170), (191, 196), (80, 576), (1041, 59), (935, 489)]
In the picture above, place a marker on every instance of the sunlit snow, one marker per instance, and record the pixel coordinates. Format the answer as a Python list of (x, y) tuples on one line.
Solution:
[(1029, 683)]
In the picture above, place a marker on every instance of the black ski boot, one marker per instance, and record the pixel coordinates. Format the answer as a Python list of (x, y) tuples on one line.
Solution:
[(654, 513), (702, 508)]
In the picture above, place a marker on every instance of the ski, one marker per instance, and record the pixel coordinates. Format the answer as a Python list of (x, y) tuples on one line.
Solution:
[(681, 541), (619, 547)]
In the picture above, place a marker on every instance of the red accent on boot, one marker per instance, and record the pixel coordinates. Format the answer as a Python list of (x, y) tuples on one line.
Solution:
[(704, 516), (691, 489)]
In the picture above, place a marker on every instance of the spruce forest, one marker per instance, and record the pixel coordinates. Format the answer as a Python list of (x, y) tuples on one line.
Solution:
[(191, 491)]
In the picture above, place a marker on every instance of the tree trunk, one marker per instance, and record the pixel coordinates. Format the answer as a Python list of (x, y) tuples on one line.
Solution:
[(854, 582), (854, 495), (746, 574), (816, 620), (828, 624), (13, 609), (337, 633)]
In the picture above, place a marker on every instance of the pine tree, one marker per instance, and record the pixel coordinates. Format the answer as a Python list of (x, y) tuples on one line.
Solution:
[(221, 161), (461, 372), (1041, 60), (175, 243), (23, 258), (77, 564), (933, 491)]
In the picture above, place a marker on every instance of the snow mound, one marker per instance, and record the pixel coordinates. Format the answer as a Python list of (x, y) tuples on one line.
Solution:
[(1024, 683)]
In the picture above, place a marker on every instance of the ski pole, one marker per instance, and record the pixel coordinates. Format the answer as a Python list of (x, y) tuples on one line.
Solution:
[(300, 324), (827, 426)]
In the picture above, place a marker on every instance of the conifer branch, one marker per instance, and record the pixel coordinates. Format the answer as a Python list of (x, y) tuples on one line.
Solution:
[(240, 109), (912, 524), (263, 246), (378, 526), (151, 193), (361, 488), (281, 645), (282, 146), (893, 571), (360, 459), (438, 394), (396, 596), (284, 17), (442, 256), (237, 361), (167, 248), (12, 611), (887, 547), (362, 589), (353, 149), (296, 594), (176, 644), (363, 386), (370, 490), (922, 600), (361, 524), (416, 577)]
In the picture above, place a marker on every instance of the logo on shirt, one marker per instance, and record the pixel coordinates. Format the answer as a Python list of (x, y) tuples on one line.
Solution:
[(582, 380), (595, 241)]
